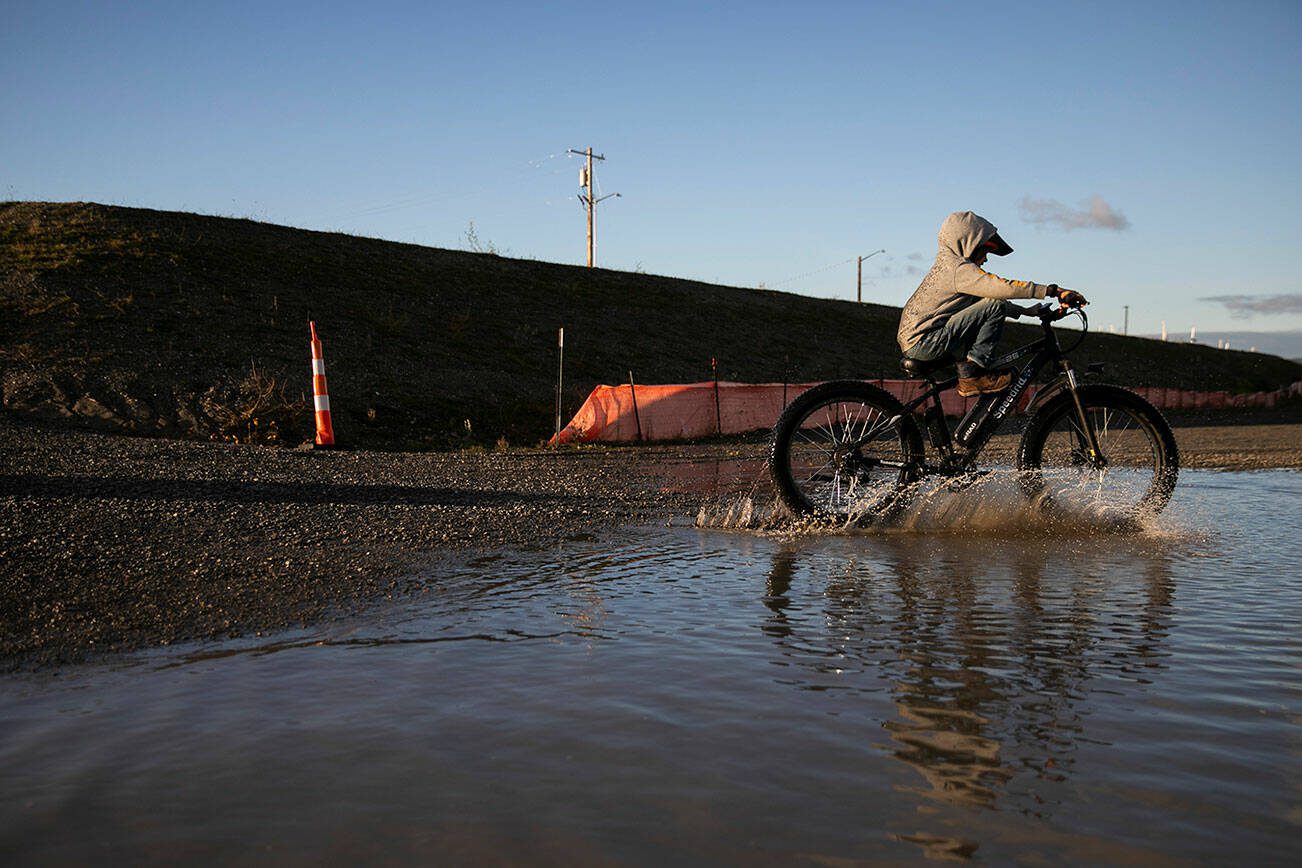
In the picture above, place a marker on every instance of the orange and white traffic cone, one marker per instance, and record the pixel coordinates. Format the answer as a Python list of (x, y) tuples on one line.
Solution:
[(325, 432)]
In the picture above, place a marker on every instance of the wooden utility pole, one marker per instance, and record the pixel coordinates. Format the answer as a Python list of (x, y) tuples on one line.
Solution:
[(587, 182)]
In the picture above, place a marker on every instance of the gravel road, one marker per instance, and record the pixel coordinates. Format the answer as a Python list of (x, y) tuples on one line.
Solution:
[(113, 543)]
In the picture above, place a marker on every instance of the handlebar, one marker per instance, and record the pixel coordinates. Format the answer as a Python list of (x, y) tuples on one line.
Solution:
[(1051, 312)]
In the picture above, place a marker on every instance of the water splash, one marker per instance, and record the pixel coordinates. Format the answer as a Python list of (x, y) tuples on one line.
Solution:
[(993, 504), (742, 512)]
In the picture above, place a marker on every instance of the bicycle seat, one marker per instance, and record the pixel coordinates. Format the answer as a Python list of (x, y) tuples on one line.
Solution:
[(915, 368)]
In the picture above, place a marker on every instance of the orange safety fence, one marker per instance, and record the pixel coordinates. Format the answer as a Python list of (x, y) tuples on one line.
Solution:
[(1187, 399), (691, 410), (687, 411), (677, 412)]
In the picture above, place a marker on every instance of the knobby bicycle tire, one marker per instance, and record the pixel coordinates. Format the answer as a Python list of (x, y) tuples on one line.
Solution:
[(828, 448)]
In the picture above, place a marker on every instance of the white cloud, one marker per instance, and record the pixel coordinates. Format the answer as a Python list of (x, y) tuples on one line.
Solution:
[(1094, 213)]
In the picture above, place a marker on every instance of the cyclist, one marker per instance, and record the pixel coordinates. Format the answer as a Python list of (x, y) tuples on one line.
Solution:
[(958, 310)]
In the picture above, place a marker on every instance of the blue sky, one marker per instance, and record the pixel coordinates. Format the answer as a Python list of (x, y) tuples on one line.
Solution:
[(1144, 153)]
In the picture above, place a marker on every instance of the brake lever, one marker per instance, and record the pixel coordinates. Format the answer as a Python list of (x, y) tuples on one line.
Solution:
[(1050, 311)]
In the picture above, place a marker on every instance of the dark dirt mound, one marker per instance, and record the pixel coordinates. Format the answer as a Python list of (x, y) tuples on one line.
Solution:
[(182, 325)]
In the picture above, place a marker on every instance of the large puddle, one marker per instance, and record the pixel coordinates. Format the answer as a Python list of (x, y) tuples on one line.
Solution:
[(695, 695)]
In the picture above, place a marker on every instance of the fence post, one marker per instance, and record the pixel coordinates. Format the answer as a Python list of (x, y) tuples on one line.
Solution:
[(786, 375), (637, 420), (560, 376), (718, 417)]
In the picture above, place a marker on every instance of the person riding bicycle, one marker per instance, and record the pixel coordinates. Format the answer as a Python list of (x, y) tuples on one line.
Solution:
[(958, 310)]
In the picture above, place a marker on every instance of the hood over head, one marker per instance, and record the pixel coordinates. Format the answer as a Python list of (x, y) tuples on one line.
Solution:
[(963, 233)]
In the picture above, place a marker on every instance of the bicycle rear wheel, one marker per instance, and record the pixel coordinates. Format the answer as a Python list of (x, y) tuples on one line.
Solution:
[(843, 451), (1135, 472)]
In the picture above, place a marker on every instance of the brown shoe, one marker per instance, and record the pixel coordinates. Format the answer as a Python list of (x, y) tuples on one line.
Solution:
[(984, 383)]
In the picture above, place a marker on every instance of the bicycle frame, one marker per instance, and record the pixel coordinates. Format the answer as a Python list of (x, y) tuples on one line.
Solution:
[(988, 413)]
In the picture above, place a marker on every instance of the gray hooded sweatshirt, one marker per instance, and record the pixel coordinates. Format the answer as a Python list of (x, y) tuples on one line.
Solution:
[(955, 281)]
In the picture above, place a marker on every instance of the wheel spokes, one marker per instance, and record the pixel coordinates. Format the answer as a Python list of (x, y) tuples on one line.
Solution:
[(829, 461), (1118, 476)]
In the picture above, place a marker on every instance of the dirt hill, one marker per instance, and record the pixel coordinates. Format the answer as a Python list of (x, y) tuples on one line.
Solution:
[(182, 325)]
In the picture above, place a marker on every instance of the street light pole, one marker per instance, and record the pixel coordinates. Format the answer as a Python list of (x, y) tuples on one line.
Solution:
[(858, 293)]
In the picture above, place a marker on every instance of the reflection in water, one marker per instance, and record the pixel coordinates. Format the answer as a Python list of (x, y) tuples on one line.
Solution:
[(985, 652), (991, 691)]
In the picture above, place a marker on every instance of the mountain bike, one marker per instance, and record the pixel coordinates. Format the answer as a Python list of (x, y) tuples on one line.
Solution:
[(849, 451)]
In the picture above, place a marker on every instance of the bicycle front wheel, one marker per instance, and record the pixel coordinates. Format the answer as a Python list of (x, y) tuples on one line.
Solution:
[(843, 450), (1136, 465)]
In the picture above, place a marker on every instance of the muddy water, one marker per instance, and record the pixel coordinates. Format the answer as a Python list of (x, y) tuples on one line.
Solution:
[(965, 688)]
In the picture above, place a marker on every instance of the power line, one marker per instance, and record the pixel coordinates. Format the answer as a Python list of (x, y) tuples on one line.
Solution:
[(815, 271), (431, 198)]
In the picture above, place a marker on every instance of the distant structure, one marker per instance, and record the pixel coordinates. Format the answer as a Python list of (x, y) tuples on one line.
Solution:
[(1193, 334), (1163, 329)]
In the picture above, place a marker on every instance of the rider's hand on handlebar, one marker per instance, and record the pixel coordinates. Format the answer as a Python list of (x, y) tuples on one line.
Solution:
[(1066, 297)]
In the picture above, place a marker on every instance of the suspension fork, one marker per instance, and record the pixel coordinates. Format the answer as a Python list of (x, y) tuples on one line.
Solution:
[(1086, 426)]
